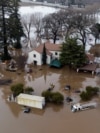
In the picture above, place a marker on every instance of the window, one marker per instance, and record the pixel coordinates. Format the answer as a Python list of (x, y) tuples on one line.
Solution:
[(34, 55), (56, 53)]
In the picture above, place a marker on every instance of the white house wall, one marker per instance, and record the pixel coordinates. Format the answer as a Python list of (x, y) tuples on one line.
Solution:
[(31, 58), (48, 59), (54, 54), (38, 57)]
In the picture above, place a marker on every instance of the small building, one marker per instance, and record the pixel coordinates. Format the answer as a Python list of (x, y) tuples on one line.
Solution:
[(52, 52), (88, 68), (31, 100)]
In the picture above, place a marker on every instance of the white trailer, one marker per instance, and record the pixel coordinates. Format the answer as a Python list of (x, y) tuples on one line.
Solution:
[(79, 106), (31, 100)]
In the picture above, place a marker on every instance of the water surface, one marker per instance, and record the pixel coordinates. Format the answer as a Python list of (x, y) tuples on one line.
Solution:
[(52, 119)]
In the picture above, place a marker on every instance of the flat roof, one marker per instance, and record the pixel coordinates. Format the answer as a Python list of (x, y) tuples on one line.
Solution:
[(31, 97), (89, 67)]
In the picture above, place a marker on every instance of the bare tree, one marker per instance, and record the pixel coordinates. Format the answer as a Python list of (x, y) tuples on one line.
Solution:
[(52, 26), (27, 25), (38, 25), (95, 31), (67, 22), (81, 27)]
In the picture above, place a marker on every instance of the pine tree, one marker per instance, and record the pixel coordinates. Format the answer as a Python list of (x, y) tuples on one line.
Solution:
[(10, 26), (44, 55), (5, 11), (72, 54), (15, 27)]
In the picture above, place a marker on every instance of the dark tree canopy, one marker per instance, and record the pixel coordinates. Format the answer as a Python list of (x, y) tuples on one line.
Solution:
[(95, 30), (72, 54), (17, 89), (5, 12), (10, 27), (52, 26), (15, 27), (44, 55)]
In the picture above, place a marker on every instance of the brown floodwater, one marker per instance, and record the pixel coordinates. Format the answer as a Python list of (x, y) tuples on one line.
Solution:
[(53, 118)]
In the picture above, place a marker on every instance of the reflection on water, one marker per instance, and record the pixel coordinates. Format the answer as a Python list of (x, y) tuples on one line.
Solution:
[(52, 118)]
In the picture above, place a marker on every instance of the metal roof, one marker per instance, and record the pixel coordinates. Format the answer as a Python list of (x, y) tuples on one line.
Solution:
[(31, 97)]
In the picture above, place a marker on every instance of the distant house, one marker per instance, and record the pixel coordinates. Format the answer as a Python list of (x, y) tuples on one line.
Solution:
[(90, 58), (91, 66), (97, 60), (52, 52)]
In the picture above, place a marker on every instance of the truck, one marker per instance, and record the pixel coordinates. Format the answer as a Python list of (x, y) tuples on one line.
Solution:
[(31, 101), (79, 106)]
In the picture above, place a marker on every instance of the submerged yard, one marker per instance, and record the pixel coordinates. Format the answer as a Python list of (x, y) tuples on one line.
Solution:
[(52, 118)]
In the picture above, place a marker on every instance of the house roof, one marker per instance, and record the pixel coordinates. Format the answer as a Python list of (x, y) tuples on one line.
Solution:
[(89, 67), (30, 97), (49, 47)]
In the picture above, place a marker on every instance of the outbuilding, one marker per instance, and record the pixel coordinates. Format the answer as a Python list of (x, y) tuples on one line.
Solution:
[(88, 68), (31, 100)]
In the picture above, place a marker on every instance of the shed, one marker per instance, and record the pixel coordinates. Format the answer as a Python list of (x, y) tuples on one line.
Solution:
[(88, 67), (31, 100)]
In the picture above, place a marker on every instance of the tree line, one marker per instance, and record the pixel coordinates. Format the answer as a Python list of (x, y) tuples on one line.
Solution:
[(10, 26), (63, 24)]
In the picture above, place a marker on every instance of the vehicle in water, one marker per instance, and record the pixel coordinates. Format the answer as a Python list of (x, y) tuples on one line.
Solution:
[(79, 106), (27, 110)]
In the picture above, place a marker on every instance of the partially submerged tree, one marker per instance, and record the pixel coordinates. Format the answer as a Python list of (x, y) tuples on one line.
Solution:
[(54, 97), (28, 90), (72, 54), (17, 89), (89, 93), (57, 98), (48, 95)]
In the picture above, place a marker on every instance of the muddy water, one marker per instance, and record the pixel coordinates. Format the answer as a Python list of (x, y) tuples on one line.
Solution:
[(53, 119)]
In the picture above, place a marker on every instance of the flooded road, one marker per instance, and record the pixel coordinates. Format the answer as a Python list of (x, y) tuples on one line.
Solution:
[(52, 119)]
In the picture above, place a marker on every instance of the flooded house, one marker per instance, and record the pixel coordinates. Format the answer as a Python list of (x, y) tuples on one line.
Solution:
[(52, 52)]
